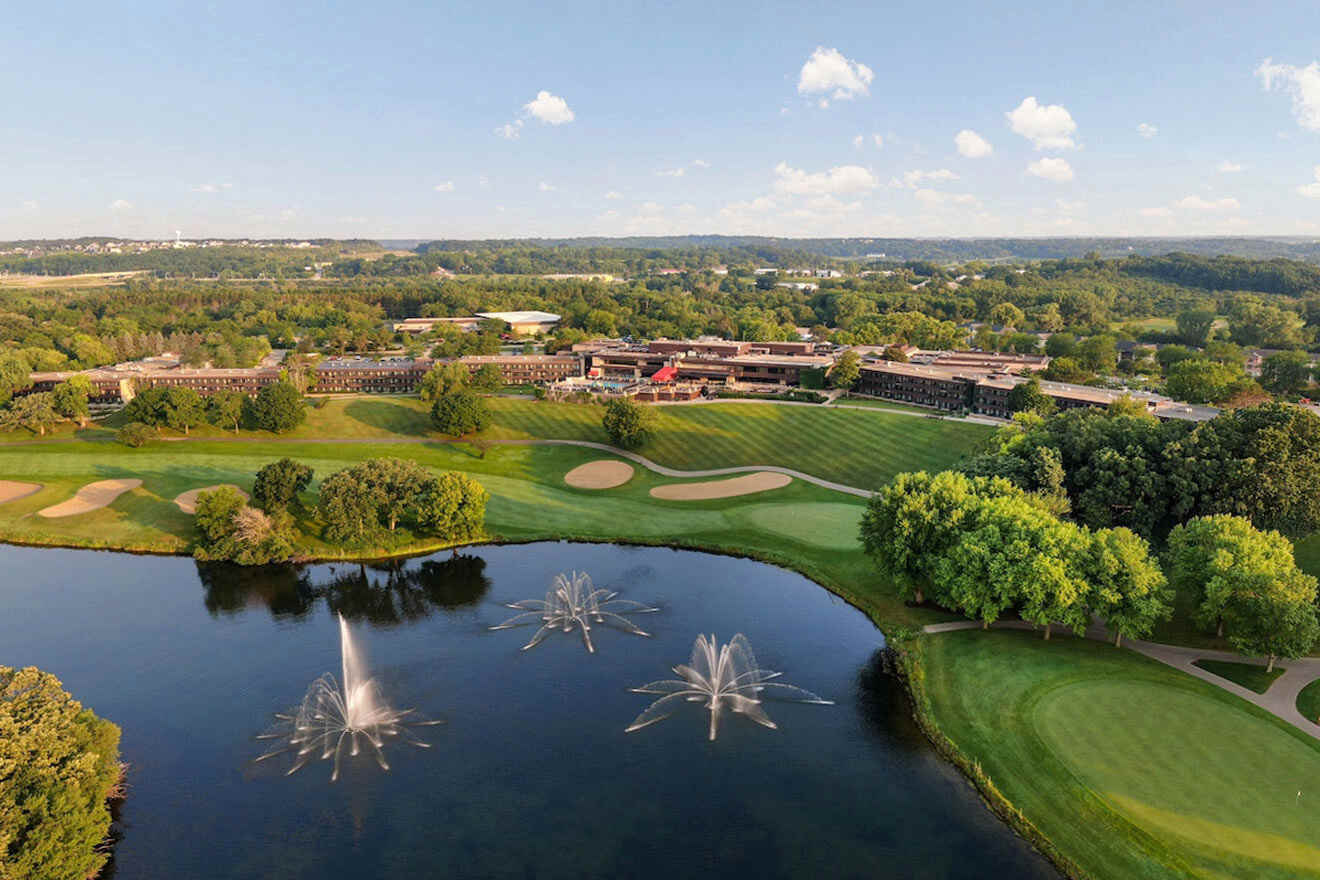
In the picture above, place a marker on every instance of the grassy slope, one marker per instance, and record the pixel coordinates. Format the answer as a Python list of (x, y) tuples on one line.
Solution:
[(1248, 675), (1133, 769)]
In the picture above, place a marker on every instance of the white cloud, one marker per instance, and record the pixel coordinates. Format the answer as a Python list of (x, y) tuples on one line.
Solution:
[(483, 181), (1068, 207), (549, 108), (1206, 206), (1303, 83), (840, 179), (446, 187), (1311, 190), (1051, 168), (510, 131), (1157, 212), (931, 198), (31, 205), (858, 141), (912, 179), (211, 187), (1048, 126), (121, 205), (671, 172), (739, 210), (545, 187), (1228, 167), (878, 140), (972, 145), (1147, 130), (700, 163), (828, 72), (613, 194)]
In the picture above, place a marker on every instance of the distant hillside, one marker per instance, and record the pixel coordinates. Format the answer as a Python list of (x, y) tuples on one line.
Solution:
[(938, 249)]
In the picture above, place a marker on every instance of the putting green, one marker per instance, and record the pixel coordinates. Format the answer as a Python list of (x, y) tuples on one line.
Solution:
[(823, 524), (1176, 762)]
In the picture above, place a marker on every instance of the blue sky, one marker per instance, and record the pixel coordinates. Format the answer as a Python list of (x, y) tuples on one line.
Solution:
[(420, 119)]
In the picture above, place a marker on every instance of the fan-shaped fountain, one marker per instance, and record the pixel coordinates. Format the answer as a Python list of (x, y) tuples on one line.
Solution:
[(334, 719), (720, 676), (573, 600)]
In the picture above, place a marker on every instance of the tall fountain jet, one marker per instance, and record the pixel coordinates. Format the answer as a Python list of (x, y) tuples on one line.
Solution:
[(574, 601), (720, 677), (335, 721)]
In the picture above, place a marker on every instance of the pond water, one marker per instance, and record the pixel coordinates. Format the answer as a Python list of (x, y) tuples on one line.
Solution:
[(532, 774)]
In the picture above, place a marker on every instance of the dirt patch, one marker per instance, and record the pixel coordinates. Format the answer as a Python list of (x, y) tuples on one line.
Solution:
[(187, 501), (91, 497), (604, 474), (12, 490), (761, 481)]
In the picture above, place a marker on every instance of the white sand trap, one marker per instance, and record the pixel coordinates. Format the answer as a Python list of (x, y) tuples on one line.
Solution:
[(761, 481), (12, 490), (604, 474), (188, 500), (91, 497)]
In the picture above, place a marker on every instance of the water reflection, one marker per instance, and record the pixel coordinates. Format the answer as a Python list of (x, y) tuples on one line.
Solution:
[(883, 705), (385, 593)]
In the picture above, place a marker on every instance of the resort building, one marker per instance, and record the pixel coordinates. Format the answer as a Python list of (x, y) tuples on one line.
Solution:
[(709, 361), (528, 369), (524, 323)]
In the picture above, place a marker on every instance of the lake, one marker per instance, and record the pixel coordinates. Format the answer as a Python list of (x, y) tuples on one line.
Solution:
[(531, 774)]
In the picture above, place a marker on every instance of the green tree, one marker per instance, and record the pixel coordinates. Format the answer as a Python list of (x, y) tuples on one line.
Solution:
[(224, 408), (460, 412), (1099, 354), (279, 407), (379, 493), (1194, 326), (36, 412), (1005, 314), (1065, 369), (627, 423), (1061, 345), (912, 523), (1168, 355), (847, 370), (1028, 397), (135, 434), (183, 408), (15, 374), (453, 506), (1202, 381), (1129, 406), (70, 399), (59, 764), (487, 378), (1128, 589), (1243, 581), (442, 379), (278, 484), (214, 519), (228, 529), (1287, 372)]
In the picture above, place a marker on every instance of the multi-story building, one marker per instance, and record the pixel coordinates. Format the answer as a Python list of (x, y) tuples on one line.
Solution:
[(528, 369), (707, 361), (366, 376)]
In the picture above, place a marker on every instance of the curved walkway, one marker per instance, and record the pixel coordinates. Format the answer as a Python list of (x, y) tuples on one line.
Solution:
[(1279, 700)]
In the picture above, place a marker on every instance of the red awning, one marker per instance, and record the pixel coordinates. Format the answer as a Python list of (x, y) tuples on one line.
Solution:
[(665, 374)]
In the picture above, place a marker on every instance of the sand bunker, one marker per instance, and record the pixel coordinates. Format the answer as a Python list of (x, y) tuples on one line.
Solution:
[(604, 474), (187, 501), (93, 496), (761, 481), (12, 490)]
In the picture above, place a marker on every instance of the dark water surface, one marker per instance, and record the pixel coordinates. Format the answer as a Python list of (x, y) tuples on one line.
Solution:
[(533, 775)]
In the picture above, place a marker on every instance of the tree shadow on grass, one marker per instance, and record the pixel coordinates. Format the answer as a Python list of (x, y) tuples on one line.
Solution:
[(389, 416)]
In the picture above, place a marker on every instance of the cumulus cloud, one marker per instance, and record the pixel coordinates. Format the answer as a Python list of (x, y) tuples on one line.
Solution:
[(933, 199), (913, 179), (613, 194), (1047, 126), (1302, 83), (828, 73), (446, 187), (1160, 211), (1051, 168), (1068, 207), (31, 205), (545, 187), (1147, 130), (210, 187), (1311, 190), (510, 131), (972, 145), (858, 141), (671, 172), (758, 206), (700, 163), (1228, 167), (121, 205), (1207, 206), (840, 179), (549, 108)]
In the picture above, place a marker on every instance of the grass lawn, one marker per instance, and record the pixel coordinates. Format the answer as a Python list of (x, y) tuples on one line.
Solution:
[(1131, 768), (1250, 676), (1308, 701)]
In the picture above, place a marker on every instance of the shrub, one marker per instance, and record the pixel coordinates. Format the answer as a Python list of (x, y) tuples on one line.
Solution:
[(627, 423), (460, 412), (135, 434)]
